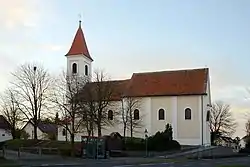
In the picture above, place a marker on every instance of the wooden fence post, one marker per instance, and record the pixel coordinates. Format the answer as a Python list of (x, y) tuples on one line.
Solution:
[(18, 152), (4, 151)]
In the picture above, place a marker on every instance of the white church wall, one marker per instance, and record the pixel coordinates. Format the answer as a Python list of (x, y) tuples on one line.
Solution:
[(144, 114), (145, 118), (188, 131), (116, 125), (165, 103), (206, 108)]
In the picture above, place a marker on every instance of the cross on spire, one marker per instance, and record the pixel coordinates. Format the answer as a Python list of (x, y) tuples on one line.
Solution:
[(80, 19)]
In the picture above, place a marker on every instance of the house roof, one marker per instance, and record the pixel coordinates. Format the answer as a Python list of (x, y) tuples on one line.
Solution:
[(163, 83), (45, 127), (79, 45), (4, 124), (227, 139)]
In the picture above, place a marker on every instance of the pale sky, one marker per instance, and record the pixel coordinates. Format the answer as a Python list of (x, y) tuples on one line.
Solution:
[(134, 36)]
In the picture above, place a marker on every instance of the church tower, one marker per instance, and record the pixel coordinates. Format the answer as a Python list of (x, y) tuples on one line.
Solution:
[(79, 61)]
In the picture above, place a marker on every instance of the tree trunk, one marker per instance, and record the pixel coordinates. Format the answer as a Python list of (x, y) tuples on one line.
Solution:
[(91, 128), (99, 126), (13, 133), (131, 124), (72, 140), (35, 131), (124, 130), (99, 129)]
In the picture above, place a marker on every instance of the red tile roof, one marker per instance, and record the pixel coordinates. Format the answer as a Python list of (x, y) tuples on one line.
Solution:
[(163, 83), (114, 90), (168, 83), (79, 45)]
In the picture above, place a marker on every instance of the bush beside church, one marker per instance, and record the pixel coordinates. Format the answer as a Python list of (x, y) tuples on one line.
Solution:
[(161, 141)]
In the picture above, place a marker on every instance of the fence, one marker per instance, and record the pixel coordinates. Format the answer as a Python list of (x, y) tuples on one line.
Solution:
[(30, 152)]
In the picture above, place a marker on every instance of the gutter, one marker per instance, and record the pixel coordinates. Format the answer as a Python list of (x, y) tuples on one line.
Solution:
[(202, 108)]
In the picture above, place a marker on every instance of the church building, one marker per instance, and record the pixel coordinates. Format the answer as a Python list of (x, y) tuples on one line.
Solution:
[(178, 97)]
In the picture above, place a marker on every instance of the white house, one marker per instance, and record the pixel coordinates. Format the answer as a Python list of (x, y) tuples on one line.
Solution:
[(4, 129), (43, 130), (181, 98), (244, 141)]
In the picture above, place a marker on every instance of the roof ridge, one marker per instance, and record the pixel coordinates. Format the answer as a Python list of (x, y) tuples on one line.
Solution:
[(174, 70), (117, 80)]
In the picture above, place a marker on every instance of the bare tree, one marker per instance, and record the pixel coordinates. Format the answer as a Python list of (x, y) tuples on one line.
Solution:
[(247, 126), (131, 117), (125, 117), (11, 111), (66, 98), (87, 112), (222, 122), (97, 98), (32, 83)]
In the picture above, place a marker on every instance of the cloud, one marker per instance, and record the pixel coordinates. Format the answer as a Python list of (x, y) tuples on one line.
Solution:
[(53, 47), (17, 13)]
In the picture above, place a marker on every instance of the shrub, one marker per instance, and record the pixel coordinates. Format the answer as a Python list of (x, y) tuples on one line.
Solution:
[(24, 135), (135, 144), (163, 141)]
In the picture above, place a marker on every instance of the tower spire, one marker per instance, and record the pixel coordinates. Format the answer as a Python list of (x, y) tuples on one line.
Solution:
[(79, 45)]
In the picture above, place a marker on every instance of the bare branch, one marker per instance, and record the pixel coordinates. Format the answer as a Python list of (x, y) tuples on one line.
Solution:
[(221, 119), (130, 106), (11, 110), (66, 100), (33, 84)]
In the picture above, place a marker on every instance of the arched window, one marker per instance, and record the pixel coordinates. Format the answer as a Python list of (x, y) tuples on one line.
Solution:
[(110, 115), (208, 116), (136, 114), (86, 70), (161, 114), (74, 68), (188, 113)]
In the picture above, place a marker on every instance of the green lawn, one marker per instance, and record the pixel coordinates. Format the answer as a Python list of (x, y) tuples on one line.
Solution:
[(232, 166), (49, 147), (7, 163), (38, 143)]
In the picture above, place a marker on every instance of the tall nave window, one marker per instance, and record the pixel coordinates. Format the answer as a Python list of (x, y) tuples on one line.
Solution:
[(187, 114), (136, 114), (161, 114)]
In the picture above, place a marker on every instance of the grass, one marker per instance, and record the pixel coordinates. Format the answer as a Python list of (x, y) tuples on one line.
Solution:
[(48, 147), (156, 161), (16, 143), (232, 166), (7, 163)]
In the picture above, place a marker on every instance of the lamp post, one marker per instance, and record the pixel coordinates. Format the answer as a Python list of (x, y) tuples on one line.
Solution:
[(146, 141)]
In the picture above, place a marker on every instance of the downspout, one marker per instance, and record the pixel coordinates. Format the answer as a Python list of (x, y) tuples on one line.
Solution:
[(202, 108)]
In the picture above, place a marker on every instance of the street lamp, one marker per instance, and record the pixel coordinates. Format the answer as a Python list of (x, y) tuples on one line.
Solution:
[(146, 141)]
